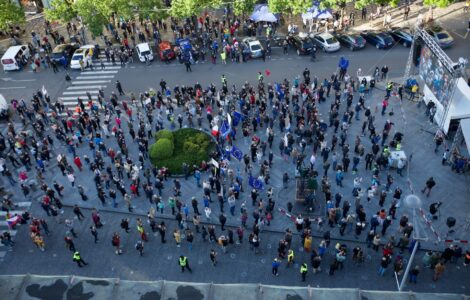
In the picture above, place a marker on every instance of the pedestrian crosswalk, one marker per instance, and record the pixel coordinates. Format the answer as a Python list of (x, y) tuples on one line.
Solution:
[(88, 83), (21, 207)]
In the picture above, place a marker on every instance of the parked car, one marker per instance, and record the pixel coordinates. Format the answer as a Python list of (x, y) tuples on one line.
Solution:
[(278, 40), (378, 39), (402, 36), (253, 47), (303, 45), (63, 53), (351, 41), (326, 41), (166, 52), (441, 36), (143, 51), (84, 53)]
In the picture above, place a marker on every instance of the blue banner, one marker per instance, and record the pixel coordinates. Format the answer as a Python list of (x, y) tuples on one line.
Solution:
[(237, 153), (256, 183)]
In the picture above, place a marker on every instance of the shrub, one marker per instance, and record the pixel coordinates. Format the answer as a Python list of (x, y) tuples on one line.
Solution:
[(162, 149), (165, 134), (189, 146)]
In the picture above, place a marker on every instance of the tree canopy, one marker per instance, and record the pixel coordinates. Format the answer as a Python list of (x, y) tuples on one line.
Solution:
[(10, 14)]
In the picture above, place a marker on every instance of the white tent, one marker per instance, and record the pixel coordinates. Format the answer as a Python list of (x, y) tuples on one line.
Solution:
[(315, 12), (261, 13)]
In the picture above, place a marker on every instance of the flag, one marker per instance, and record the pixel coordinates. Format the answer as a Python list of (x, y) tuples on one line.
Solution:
[(267, 72), (215, 130), (225, 129), (237, 117), (237, 153), (256, 183)]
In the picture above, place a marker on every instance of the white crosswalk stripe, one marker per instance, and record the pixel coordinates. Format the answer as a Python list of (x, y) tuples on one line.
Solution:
[(80, 92), (86, 87), (99, 72), (95, 77), (89, 81)]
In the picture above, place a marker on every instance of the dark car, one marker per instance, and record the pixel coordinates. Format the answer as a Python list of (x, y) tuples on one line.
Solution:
[(379, 39), (63, 53), (303, 46), (351, 41), (402, 36)]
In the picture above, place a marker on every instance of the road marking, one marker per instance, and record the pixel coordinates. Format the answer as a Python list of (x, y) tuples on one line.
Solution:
[(80, 92), (86, 87), (12, 87), (90, 82), (67, 99), (18, 80), (95, 77), (98, 68), (98, 72)]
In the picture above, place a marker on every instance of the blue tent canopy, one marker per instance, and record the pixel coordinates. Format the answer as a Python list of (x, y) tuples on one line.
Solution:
[(261, 13), (315, 12)]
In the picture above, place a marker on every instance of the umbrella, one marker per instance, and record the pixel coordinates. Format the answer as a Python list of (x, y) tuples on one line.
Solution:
[(261, 13)]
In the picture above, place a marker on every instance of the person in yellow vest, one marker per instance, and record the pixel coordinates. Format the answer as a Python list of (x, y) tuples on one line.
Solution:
[(290, 257), (184, 264), (303, 271), (223, 57), (78, 259)]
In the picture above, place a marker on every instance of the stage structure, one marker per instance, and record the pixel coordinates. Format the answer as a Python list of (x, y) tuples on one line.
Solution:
[(438, 72)]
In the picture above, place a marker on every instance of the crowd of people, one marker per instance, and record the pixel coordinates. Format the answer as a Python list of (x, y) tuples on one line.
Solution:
[(110, 138)]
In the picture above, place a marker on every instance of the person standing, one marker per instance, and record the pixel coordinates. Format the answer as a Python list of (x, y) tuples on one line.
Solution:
[(438, 270), (69, 244), (177, 237), (290, 257), (384, 262), (125, 225), (184, 264), (187, 64), (139, 246), (414, 274), (78, 212), (430, 183), (222, 220), (275, 266), (116, 242), (303, 271), (119, 88), (162, 231), (94, 233), (78, 259), (213, 257)]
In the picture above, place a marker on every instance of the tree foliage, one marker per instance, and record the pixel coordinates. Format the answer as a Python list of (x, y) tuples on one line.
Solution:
[(294, 7), (188, 8), (243, 6), (61, 10), (94, 14), (437, 3), (150, 9), (10, 14)]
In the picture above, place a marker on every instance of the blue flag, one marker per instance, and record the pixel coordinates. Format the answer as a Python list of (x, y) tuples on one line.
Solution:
[(256, 183), (237, 153), (225, 129)]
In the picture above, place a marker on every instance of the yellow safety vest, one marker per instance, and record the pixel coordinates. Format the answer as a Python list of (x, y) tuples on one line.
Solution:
[(303, 268), (290, 256), (183, 261), (76, 256), (398, 146)]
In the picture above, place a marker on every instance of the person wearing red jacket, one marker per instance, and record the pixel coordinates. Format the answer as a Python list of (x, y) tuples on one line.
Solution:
[(77, 161)]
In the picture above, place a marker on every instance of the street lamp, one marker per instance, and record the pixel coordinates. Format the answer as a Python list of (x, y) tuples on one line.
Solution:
[(414, 202)]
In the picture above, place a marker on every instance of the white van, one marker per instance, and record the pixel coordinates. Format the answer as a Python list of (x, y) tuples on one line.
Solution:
[(15, 58), (144, 50)]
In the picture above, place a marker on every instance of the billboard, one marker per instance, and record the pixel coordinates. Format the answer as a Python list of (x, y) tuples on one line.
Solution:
[(437, 78)]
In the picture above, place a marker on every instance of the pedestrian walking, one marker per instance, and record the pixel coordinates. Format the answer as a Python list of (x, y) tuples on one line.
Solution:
[(303, 271), (94, 233), (78, 259), (119, 88), (139, 246), (184, 263), (78, 212), (438, 270), (275, 266), (213, 257), (430, 183)]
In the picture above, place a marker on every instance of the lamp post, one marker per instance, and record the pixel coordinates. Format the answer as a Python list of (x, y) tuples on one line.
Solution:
[(414, 202)]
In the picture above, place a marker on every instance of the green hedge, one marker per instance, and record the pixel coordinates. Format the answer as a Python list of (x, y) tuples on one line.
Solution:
[(165, 134), (190, 146), (162, 149)]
